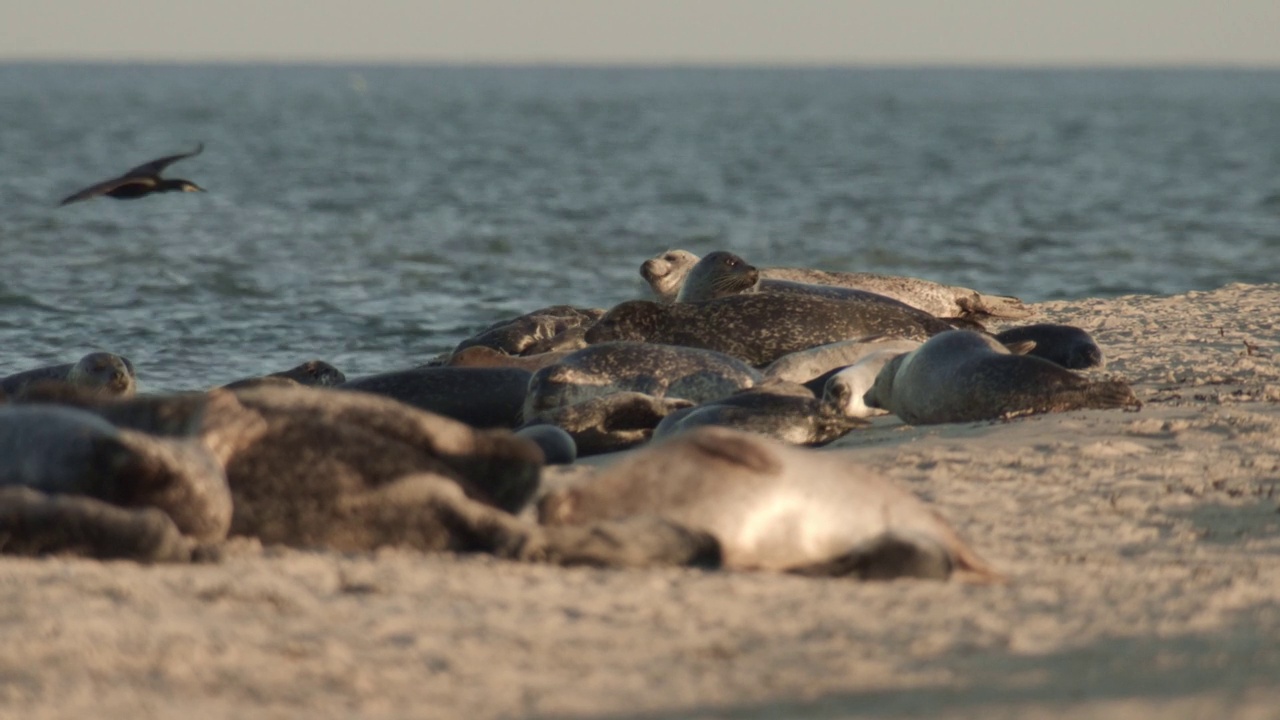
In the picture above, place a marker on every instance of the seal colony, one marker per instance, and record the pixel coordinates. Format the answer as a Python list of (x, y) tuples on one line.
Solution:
[(728, 384)]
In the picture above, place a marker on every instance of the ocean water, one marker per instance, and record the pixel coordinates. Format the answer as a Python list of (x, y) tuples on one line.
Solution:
[(374, 216)]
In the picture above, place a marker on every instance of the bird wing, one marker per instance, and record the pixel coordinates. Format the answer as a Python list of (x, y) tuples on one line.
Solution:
[(155, 167), (107, 186)]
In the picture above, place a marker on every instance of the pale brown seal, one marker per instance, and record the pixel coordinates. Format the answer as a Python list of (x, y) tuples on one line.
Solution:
[(772, 506), (963, 376), (760, 328), (72, 482), (105, 373), (946, 301)]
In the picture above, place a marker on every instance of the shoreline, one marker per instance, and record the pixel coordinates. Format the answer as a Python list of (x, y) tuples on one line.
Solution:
[(1142, 550)]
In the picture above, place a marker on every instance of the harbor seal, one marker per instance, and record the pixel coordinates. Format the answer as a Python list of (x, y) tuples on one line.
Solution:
[(844, 390), (611, 422), (105, 373), (483, 397), (515, 336), (666, 273), (773, 506), (557, 445), (657, 370), (313, 373), (780, 409), (945, 301), (73, 482), (963, 376), (481, 356), (805, 365), (759, 328), (1065, 345)]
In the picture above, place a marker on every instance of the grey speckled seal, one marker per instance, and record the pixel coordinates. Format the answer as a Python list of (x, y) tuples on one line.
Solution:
[(669, 271), (780, 409), (1065, 345), (313, 373), (612, 422), (759, 328), (656, 370), (533, 332), (963, 376), (772, 506), (106, 373), (72, 482)]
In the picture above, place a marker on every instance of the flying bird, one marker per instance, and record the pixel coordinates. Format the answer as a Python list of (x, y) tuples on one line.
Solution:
[(140, 181)]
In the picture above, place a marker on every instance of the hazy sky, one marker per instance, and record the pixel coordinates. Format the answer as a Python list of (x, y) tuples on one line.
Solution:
[(650, 31)]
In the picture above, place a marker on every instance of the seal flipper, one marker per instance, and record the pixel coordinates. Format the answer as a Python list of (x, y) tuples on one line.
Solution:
[(638, 541), (33, 523), (886, 557)]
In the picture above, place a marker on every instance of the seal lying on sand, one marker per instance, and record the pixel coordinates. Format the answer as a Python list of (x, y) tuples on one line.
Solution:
[(760, 328), (348, 470), (105, 373), (666, 274), (963, 376), (607, 423), (772, 506), (658, 370), (313, 373), (805, 365), (515, 336), (487, 397), (844, 389), (1065, 345), (780, 409), (72, 482), (481, 356)]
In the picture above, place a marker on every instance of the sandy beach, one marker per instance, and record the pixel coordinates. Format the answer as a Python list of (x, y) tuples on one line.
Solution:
[(1142, 550)]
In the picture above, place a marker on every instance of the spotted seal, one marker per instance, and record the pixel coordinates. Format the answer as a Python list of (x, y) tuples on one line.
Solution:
[(1065, 345), (106, 373), (481, 356), (780, 409), (660, 371), (72, 482), (516, 336), (483, 397), (610, 422), (759, 328), (963, 376), (313, 373), (772, 506), (666, 276)]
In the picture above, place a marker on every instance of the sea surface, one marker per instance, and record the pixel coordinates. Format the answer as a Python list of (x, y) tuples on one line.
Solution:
[(374, 216)]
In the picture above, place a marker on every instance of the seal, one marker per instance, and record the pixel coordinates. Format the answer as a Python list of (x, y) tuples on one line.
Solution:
[(772, 506), (780, 409), (611, 422), (805, 365), (72, 482), (481, 356), (963, 376), (106, 373), (660, 371), (483, 397), (515, 336), (313, 373), (1065, 345), (844, 390), (349, 471), (759, 328), (558, 447), (944, 301), (666, 273)]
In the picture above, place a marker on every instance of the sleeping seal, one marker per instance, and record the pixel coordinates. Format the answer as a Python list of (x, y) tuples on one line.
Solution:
[(72, 482), (657, 370), (313, 373), (760, 328), (772, 506), (106, 373), (780, 409), (963, 376), (515, 336), (1065, 345), (669, 270), (805, 365), (845, 389)]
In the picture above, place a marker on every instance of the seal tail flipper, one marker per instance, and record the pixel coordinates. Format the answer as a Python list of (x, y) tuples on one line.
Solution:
[(997, 306), (1102, 395), (33, 523)]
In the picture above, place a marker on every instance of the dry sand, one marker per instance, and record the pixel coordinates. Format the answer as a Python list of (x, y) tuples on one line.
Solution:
[(1143, 550)]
